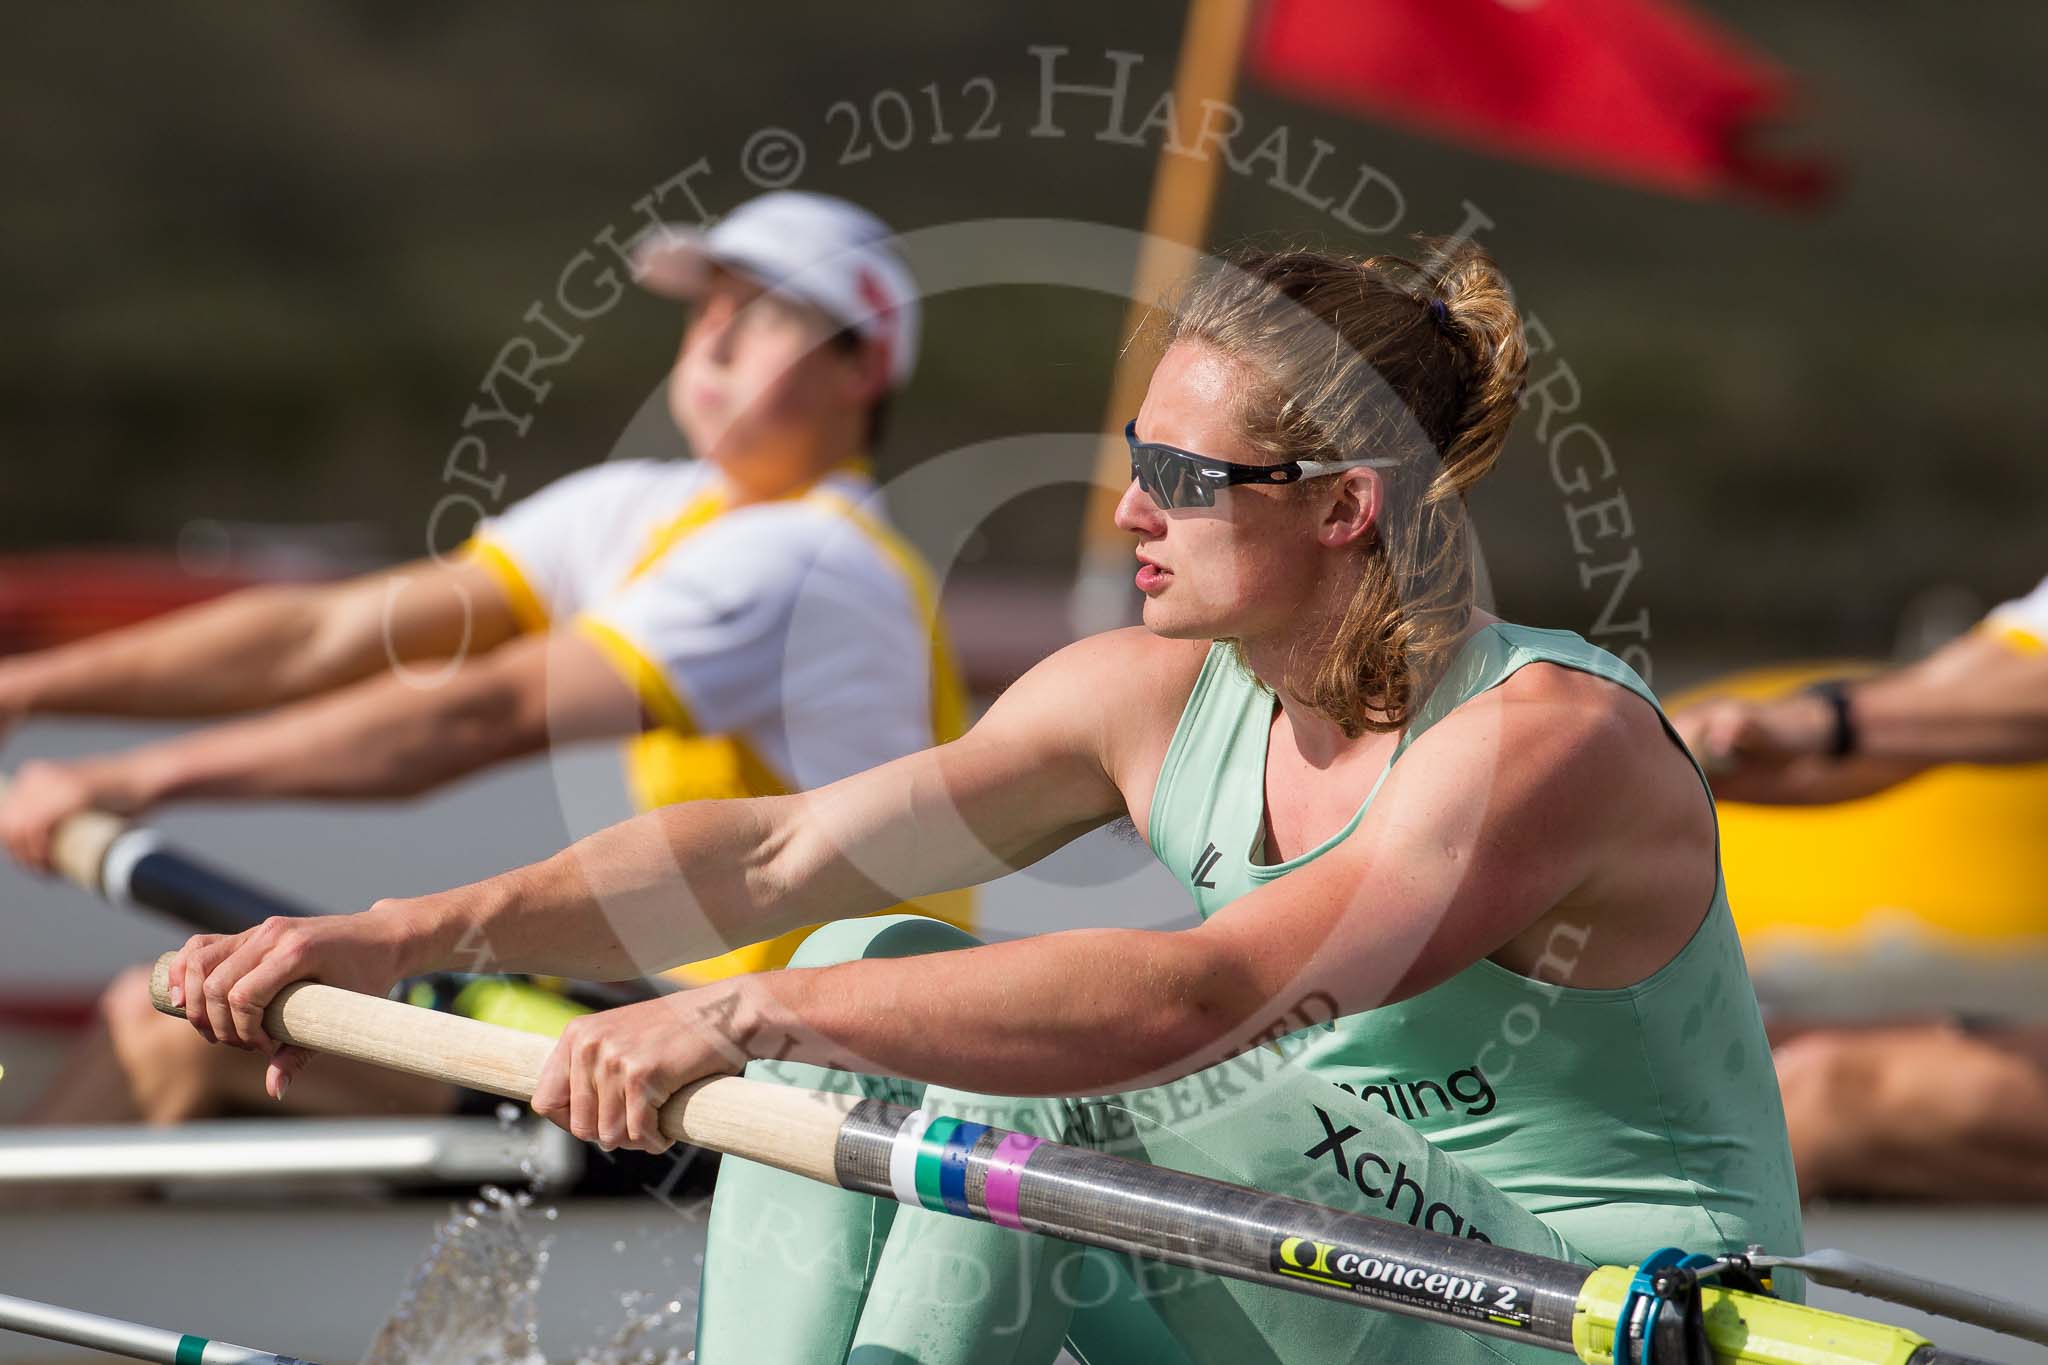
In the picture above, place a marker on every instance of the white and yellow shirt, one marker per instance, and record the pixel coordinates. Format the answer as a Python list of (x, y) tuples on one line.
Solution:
[(2023, 622), (778, 646)]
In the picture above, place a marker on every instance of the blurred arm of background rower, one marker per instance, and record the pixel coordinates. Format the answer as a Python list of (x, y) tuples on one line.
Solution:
[(1981, 699), (264, 646), (1856, 1094), (399, 733), (681, 882)]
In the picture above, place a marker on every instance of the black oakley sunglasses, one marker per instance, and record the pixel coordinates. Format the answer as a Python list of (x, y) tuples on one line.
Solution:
[(1173, 477)]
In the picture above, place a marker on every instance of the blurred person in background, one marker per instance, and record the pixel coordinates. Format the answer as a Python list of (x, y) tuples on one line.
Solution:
[(747, 619), (1943, 1108)]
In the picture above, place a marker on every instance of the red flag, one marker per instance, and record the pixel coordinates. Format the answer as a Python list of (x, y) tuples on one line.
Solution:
[(1639, 90)]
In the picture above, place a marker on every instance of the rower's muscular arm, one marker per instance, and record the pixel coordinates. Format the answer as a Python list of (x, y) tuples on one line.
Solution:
[(396, 734), (264, 646), (1498, 820), (688, 881), (1976, 700), (398, 727)]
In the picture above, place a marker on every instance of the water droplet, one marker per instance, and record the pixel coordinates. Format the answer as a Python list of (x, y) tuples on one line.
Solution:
[(474, 1299)]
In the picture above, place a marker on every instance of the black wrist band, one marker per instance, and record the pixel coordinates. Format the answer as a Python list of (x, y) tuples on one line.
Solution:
[(1842, 742)]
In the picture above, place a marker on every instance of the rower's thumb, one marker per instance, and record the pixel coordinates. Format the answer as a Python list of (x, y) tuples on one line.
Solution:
[(285, 1063)]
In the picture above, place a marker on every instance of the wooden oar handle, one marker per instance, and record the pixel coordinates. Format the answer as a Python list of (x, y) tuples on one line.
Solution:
[(78, 850), (791, 1129)]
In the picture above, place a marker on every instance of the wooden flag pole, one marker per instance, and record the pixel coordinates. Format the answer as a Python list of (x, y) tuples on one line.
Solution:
[(1176, 222)]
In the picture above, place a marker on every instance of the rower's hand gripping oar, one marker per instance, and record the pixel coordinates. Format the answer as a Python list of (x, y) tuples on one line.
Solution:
[(132, 864), (1018, 1181)]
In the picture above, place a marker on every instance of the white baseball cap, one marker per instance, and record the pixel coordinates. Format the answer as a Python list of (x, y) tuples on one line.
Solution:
[(825, 251)]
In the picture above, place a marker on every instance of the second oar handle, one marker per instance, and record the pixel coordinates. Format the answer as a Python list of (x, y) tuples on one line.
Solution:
[(78, 848), (777, 1125)]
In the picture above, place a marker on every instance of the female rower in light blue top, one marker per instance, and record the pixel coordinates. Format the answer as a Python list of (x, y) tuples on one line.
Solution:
[(1465, 958)]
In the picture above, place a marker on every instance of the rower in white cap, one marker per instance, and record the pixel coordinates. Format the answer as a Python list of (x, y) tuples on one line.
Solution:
[(748, 620)]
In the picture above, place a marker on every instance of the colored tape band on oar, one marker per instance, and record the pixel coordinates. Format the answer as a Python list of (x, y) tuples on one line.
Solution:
[(136, 1340), (1005, 1174), (931, 1147), (117, 870), (950, 1162), (903, 1158), (1100, 1199)]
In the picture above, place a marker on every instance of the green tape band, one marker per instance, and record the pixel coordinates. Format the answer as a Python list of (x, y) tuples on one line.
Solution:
[(191, 1350), (931, 1152)]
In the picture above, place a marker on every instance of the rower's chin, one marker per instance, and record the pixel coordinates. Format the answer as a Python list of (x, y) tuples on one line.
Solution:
[(1172, 621)]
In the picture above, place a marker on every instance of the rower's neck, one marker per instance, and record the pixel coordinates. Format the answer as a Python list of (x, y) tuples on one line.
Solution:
[(745, 486), (1318, 738)]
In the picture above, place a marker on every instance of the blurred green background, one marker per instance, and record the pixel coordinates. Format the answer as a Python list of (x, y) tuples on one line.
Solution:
[(257, 259)]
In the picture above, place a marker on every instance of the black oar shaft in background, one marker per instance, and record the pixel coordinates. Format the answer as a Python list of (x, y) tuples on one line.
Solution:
[(162, 879), (135, 865)]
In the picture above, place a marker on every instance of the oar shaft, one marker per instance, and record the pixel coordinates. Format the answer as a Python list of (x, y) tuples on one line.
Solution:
[(1012, 1179), (795, 1130), (142, 869), (131, 1339), (1018, 1181)]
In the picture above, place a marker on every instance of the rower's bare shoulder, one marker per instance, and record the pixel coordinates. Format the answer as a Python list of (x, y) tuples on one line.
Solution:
[(1107, 704), (1155, 659), (1550, 730), (1110, 681), (1102, 668), (1592, 734)]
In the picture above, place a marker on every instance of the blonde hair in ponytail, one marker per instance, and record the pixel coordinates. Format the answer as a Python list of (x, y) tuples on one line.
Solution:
[(1422, 360)]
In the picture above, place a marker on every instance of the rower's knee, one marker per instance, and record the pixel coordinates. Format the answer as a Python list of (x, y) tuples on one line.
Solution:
[(126, 1010), (169, 1069), (1829, 1083), (1888, 1110), (850, 940)]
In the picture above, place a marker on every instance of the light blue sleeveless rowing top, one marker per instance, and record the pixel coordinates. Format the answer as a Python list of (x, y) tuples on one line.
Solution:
[(1603, 1112)]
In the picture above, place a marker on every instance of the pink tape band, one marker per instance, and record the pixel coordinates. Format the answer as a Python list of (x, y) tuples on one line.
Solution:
[(1005, 1173)]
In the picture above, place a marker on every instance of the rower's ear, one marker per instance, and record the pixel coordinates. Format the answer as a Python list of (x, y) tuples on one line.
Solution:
[(1356, 496), (872, 379)]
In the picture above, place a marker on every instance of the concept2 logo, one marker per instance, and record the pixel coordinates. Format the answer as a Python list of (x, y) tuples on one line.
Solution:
[(1425, 1286)]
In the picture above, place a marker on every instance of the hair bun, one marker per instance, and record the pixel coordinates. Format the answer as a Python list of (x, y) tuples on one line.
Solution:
[(1471, 290)]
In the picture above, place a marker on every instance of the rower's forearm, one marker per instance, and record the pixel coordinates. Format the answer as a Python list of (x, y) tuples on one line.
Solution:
[(1081, 1012), (235, 653), (2002, 721), (1976, 700), (381, 738), (1814, 781), (675, 885)]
